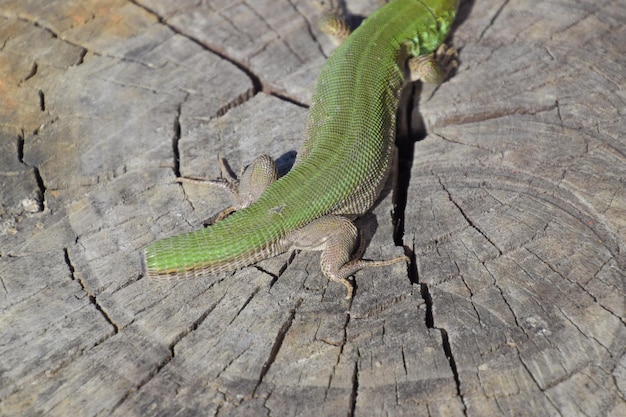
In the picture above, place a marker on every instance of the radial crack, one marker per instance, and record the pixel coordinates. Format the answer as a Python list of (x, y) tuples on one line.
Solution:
[(445, 341), (429, 320)]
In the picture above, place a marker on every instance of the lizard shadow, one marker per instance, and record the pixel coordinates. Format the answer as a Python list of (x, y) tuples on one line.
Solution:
[(465, 8), (285, 162), (410, 128)]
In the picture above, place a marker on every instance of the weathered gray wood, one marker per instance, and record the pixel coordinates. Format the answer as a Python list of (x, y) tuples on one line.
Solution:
[(516, 212), (517, 217)]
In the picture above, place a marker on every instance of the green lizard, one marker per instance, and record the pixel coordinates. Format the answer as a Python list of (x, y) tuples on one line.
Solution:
[(343, 163)]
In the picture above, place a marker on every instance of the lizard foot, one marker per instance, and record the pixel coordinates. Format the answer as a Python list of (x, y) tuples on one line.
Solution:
[(433, 68), (244, 190)]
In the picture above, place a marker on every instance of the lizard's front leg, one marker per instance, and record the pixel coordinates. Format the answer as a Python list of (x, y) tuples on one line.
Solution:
[(244, 190), (336, 236), (435, 67)]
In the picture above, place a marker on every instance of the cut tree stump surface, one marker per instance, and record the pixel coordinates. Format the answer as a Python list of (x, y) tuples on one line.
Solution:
[(515, 217)]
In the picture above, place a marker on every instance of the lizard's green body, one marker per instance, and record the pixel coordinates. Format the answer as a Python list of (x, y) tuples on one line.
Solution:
[(343, 163)]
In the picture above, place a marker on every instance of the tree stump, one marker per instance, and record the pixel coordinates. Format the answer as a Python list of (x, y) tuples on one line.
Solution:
[(512, 205)]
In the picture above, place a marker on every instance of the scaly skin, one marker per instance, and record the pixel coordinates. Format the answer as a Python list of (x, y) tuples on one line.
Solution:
[(343, 163)]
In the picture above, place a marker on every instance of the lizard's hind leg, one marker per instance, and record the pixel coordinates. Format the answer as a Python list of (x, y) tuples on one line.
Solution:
[(335, 26), (336, 236)]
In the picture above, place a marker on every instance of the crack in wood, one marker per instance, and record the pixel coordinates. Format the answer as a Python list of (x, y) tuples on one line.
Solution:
[(585, 335), (471, 295), (466, 216), (236, 102), (578, 284), (429, 320), (194, 325), (90, 296), (404, 367), (172, 352), (530, 374), (505, 300), (31, 74), (56, 36), (445, 341), (135, 388), (272, 275), (228, 364), (278, 342), (42, 100), (287, 99), (176, 138), (257, 84), (4, 287), (430, 324), (20, 147), (41, 192), (41, 187), (344, 341), (279, 37), (81, 57), (308, 28), (254, 79), (354, 392), (244, 305), (493, 19)]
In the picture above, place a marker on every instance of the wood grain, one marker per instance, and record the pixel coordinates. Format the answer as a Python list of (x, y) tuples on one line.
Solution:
[(513, 206)]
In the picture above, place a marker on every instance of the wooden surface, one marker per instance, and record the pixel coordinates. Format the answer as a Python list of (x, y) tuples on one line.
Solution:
[(515, 214)]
